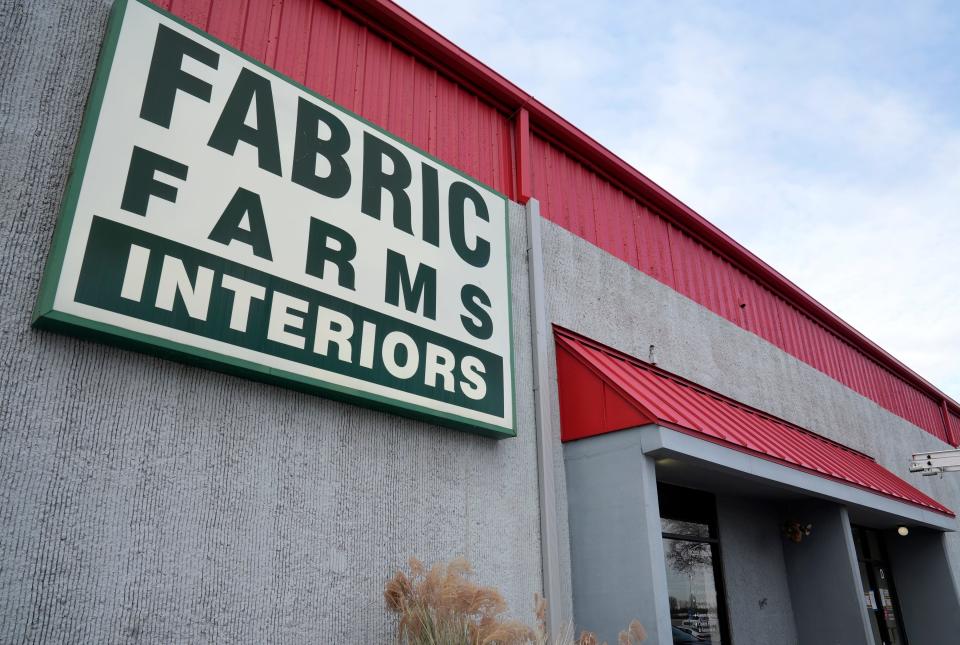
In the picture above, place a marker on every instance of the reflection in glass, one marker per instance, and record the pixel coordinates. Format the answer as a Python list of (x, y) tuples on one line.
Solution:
[(878, 590), (693, 594), (871, 601), (682, 527), (691, 550)]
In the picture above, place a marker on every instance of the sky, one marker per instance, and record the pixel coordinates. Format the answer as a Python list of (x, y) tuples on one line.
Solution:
[(823, 136)]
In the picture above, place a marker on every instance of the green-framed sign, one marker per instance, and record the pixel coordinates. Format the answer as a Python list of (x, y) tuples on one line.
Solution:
[(221, 213)]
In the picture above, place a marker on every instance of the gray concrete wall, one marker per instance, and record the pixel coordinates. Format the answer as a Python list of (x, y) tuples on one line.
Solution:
[(754, 572), (825, 587), (146, 501), (616, 548), (926, 590), (593, 293)]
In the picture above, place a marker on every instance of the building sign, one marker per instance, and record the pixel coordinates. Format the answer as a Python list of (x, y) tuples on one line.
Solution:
[(221, 213)]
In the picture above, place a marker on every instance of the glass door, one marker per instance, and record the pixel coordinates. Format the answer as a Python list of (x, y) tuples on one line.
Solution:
[(692, 552), (880, 595)]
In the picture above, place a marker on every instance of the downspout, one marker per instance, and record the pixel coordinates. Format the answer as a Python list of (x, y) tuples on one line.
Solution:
[(545, 425)]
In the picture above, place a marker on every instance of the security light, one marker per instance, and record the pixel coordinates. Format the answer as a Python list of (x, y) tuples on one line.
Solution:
[(903, 531)]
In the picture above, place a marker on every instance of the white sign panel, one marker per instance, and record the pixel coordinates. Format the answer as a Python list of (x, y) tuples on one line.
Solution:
[(221, 213)]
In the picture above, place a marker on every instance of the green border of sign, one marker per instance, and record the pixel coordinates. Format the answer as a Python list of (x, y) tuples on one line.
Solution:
[(44, 317)]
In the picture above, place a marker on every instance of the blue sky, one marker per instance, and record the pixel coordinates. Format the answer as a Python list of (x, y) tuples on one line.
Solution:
[(823, 136)]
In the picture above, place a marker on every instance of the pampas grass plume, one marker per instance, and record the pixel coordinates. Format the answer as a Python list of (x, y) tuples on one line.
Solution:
[(443, 605)]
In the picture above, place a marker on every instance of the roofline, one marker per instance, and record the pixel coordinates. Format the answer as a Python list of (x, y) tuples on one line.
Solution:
[(413, 35)]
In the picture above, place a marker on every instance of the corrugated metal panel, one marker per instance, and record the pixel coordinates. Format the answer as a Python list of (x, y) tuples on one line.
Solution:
[(603, 214), (665, 399), (320, 45)]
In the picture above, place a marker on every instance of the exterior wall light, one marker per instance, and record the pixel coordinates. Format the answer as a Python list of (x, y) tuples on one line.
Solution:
[(903, 531)]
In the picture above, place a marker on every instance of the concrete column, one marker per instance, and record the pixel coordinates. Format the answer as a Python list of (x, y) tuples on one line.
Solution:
[(926, 590), (616, 549), (754, 574), (542, 341), (825, 587)]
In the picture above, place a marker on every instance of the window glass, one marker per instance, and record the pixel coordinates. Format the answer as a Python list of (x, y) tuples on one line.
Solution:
[(870, 598), (682, 527), (888, 610), (879, 594), (692, 557), (694, 603)]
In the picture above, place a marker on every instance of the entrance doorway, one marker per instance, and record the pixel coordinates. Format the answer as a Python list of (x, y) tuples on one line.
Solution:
[(879, 592), (691, 550)]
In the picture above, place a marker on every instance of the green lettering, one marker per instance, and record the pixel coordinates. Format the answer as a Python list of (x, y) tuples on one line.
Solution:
[(166, 75), (140, 184), (250, 89), (244, 203), (431, 205), (460, 193), (480, 325), (319, 252), (307, 145), (422, 288), (375, 180)]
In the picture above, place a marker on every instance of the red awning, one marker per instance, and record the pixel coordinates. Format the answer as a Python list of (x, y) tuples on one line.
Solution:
[(602, 390)]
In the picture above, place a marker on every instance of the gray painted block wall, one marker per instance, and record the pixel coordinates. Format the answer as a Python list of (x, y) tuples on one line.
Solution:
[(143, 500), (618, 562), (754, 572), (825, 587), (928, 598)]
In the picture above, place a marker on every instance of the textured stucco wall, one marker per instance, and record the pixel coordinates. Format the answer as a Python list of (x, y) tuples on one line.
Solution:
[(143, 500), (754, 572), (927, 595), (825, 586), (593, 293)]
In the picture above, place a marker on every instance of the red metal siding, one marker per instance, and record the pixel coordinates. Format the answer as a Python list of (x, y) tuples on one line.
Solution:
[(447, 103), (595, 209), (595, 380), (320, 46)]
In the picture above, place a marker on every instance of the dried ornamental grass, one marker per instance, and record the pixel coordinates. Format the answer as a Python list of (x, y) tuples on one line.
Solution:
[(634, 635), (442, 605)]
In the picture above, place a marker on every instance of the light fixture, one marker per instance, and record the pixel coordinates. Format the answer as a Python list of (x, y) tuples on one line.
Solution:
[(903, 531)]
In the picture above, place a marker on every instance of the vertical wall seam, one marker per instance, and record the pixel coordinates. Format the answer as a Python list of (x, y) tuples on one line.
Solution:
[(522, 147), (948, 434), (243, 28), (273, 38), (206, 22)]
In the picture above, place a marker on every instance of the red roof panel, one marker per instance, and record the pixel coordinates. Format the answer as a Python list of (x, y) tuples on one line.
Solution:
[(602, 390)]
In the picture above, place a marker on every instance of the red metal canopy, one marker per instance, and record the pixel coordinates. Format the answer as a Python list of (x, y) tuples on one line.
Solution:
[(602, 390)]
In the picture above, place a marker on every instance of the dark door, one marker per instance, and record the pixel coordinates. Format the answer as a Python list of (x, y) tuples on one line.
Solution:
[(880, 595), (691, 547)]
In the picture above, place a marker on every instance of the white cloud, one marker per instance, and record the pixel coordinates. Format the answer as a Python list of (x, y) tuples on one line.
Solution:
[(824, 137)]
